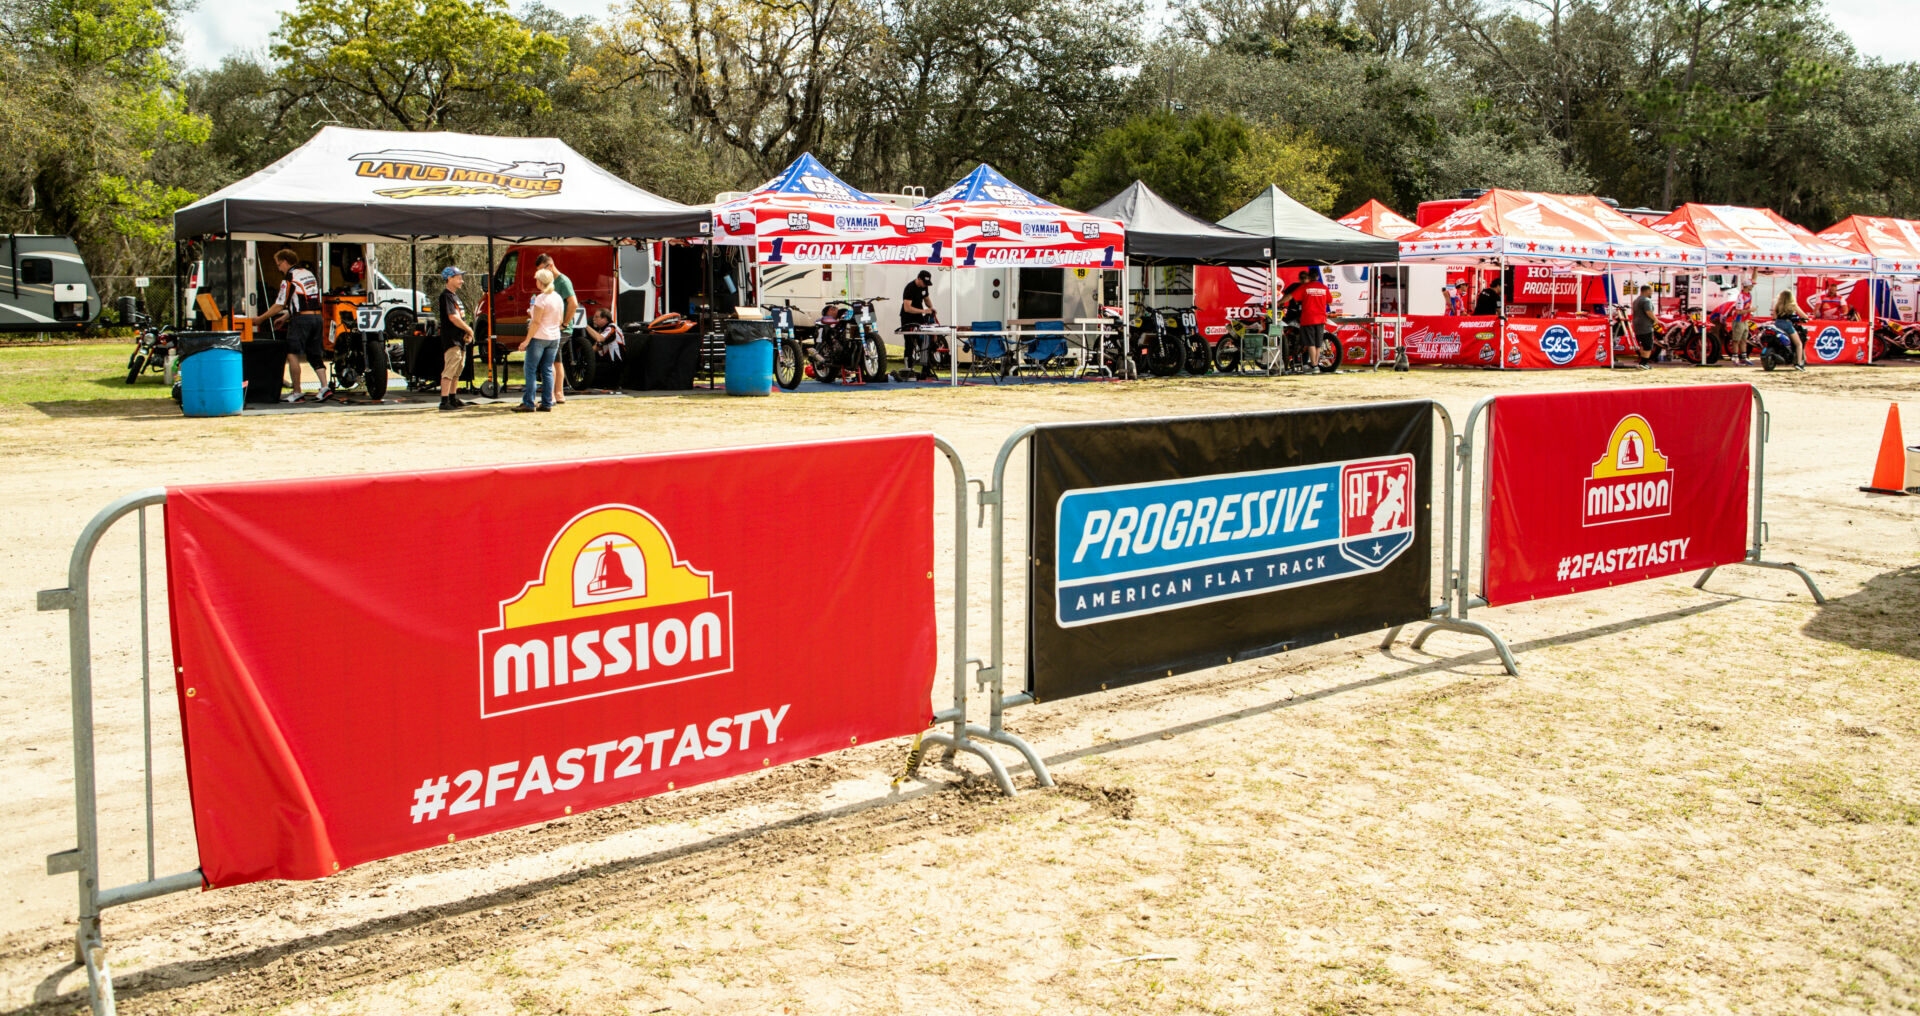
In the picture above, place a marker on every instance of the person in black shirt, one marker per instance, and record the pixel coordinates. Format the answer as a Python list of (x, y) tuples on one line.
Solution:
[(455, 333), (1487, 302), (916, 310)]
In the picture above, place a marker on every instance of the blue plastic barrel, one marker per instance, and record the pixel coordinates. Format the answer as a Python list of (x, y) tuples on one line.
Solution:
[(750, 367), (212, 381)]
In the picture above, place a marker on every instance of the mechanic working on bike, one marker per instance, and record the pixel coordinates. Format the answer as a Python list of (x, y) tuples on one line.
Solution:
[(1314, 297), (299, 298), (916, 311), (455, 333), (1645, 324)]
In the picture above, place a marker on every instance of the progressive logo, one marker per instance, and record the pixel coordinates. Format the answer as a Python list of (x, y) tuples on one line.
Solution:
[(1558, 345), (614, 609), (1631, 480), (1135, 549)]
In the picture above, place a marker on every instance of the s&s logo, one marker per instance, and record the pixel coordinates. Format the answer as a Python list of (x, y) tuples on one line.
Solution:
[(613, 609), (1631, 480), (1829, 343), (1558, 345)]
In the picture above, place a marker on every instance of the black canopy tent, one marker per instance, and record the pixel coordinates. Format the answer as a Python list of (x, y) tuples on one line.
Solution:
[(351, 185), (1161, 233)]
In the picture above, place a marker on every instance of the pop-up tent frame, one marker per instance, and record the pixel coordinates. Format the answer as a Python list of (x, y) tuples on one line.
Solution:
[(348, 185)]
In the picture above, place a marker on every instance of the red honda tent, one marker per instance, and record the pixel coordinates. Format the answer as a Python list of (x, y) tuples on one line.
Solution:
[(1756, 239), (1377, 219)]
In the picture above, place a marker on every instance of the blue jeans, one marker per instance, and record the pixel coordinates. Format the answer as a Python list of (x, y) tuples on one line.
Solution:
[(539, 367)]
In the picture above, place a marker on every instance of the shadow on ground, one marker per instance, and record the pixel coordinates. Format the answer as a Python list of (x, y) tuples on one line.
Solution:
[(1884, 616)]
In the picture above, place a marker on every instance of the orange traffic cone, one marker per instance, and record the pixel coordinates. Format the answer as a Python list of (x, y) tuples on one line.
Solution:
[(1890, 469)]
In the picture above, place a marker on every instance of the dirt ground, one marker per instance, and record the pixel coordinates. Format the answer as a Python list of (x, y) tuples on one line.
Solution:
[(1689, 802)]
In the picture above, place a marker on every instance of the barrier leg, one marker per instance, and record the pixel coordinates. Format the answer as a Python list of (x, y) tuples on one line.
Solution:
[(1818, 596), (1034, 762), (93, 955), (967, 744), (1466, 626)]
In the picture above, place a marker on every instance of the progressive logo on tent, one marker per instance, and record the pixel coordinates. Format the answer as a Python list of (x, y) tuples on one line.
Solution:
[(1135, 549), (1631, 480), (1559, 345), (614, 609)]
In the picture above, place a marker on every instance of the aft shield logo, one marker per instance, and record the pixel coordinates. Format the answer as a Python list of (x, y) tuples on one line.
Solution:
[(1829, 343), (1147, 548), (1558, 345), (1631, 480), (614, 609)]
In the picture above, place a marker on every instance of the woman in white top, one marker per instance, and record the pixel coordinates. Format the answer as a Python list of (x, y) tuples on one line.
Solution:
[(542, 343)]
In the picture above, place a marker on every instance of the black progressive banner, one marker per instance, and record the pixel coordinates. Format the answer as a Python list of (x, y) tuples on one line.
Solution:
[(1164, 546)]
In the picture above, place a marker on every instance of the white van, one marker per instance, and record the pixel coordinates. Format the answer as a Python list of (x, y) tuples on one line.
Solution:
[(44, 285)]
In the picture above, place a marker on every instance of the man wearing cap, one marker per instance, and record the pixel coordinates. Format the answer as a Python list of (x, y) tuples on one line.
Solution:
[(916, 311), (455, 333)]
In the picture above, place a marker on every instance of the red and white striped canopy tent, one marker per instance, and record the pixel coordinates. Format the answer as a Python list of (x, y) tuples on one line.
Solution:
[(1894, 244), (1757, 240), (1525, 227), (1376, 219), (807, 215), (996, 222)]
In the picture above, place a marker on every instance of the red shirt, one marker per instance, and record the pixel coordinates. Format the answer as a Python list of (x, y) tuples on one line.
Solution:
[(1313, 297), (1830, 307)]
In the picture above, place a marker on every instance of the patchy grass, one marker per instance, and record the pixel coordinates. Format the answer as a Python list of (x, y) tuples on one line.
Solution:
[(75, 378)]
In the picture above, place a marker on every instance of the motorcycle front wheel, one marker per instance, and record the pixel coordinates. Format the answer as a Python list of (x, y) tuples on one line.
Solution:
[(136, 364), (873, 360), (1226, 355), (1166, 356), (787, 363), (1199, 355)]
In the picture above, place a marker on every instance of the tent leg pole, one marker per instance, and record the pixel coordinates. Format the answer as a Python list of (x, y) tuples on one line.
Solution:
[(493, 271)]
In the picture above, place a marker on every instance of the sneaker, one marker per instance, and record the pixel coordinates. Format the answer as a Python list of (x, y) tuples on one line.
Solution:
[(325, 394), (546, 409), (290, 397), (457, 403), (447, 404), (523, 408)]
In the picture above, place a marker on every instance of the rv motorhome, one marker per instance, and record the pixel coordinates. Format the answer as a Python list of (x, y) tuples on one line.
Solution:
[(44, 285)]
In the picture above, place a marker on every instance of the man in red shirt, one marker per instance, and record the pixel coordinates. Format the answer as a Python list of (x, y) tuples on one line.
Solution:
[(1314, 297), (1830, 306)]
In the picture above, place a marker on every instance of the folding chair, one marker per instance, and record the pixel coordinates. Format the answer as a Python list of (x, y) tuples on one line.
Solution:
[(987, 349), (1046, 353)]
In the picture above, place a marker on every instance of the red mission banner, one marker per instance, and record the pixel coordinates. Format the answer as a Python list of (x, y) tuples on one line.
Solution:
[(494, 647), (1593, 489)]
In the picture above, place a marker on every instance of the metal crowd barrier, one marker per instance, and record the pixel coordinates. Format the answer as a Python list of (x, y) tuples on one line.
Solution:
[(85, 859), (1462, 600)]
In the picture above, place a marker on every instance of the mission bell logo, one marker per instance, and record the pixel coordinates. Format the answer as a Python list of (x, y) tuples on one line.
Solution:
[(614, 609), (1631, 480)]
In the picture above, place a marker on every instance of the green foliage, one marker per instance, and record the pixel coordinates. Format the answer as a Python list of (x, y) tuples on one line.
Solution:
[(1195, 162), (413, 63)]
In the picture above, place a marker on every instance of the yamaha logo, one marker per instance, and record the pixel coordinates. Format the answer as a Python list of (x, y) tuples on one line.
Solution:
[(1558, 344), (1829, 343), (856, 223)]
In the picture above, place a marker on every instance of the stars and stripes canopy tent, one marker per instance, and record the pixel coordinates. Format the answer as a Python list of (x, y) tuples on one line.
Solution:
[(1532, 228), (997, 222), (1160, 233), (1757, 239), (1300, 236), (807, 215), (1376, 219), (1894, 244), (367, 186)]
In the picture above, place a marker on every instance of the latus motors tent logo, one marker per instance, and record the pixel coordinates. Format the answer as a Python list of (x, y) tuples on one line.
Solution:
[(614, 609), (1145, 548), (427, 174), (1631, 480)]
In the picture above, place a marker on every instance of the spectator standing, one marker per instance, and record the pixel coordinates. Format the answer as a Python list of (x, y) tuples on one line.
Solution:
[(455, 333), (542, 341), (1645, 323), (564, 287)]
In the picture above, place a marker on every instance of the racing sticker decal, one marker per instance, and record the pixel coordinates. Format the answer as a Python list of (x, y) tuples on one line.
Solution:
[(613, 609), (1145, 548)]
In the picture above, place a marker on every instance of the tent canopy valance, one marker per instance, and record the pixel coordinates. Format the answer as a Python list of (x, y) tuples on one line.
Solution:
[(807, 215), (1894, 244), (368, 186), (1376, 219), (1299, 236), (996, 222), (1159, 233), (1756, 239), (1532, 228)]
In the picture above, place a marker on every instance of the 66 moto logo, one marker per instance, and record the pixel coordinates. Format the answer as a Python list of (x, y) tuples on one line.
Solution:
[(1829, 344), (1090, 231), (916, 223), (989, 227), (1146, 548), (799, 222), (1558, 345), (614, 609)]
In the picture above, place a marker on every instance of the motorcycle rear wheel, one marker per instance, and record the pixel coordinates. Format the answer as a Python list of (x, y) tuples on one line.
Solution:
[(1166, 357), (1226, 355), (136, 364), (1199, 355)]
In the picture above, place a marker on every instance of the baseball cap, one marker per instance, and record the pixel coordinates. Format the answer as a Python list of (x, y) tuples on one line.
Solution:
[(450, 271)]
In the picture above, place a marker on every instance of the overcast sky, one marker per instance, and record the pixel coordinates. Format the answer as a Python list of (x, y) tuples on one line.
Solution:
[(1882, 28)]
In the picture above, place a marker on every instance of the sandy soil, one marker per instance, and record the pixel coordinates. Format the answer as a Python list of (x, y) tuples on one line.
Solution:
[(1690, 802)]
